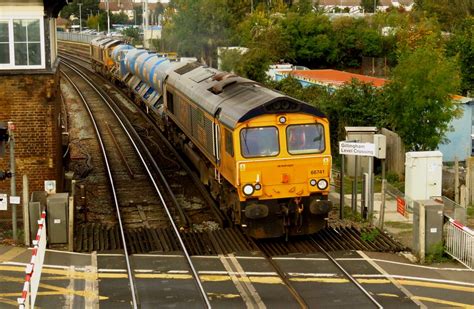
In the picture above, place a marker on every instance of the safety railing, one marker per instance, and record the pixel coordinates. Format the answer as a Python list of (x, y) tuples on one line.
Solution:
[(459, 242), (76, 37), (33, 269)]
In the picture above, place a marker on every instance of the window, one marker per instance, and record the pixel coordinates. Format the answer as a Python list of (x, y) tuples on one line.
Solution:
[(21, 43), (4, 43), (229, 143), (259, 142), (169, 101), (305, 138)]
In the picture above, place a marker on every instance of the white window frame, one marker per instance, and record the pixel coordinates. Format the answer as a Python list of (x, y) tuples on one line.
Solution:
[(11, 65)]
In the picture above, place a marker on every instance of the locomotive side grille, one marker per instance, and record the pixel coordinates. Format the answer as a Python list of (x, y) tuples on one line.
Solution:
[(188, 68), (209, 137)]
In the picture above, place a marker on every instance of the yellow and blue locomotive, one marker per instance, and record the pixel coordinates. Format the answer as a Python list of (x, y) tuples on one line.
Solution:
[(265, 157)]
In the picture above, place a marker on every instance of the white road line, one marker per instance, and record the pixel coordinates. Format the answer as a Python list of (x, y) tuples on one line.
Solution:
[(71, 287), (91, 287), (394, 282), (244, 286)]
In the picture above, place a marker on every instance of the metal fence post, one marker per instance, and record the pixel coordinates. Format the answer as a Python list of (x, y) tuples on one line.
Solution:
[(11, 127), (26, 213)]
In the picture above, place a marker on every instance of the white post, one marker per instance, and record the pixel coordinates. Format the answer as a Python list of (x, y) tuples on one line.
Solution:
[(26, 213), (456, 180), (108, 16), (422, 229), (80, 17)]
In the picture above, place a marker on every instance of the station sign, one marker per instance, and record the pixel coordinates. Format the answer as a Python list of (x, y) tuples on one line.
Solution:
[(357, 149)]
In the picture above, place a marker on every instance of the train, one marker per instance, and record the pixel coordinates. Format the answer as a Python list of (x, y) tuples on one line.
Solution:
[(264, 156)]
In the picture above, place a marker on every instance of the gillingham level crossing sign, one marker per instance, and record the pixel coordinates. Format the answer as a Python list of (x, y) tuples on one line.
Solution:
[(357, 149)]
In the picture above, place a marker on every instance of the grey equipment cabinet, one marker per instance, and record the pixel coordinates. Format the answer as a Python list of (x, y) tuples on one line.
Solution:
[(57, 216)]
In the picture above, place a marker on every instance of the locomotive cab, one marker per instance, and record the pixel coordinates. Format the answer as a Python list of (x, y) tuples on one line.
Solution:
[(283, 171)]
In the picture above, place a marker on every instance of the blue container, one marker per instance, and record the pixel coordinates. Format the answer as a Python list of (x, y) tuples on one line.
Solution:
[(130, 59)]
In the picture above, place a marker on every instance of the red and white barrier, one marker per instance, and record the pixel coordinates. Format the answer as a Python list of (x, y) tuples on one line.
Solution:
[(460, 242), (33, 269)]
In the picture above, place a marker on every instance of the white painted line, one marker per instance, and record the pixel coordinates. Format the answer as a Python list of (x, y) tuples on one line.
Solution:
[(44, 266), (66, 252), (398, 285), (423, 266), (244, 286), (91, 287), (71, 287)]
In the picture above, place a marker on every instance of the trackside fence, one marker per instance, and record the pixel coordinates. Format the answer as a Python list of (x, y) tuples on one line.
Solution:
[(459, 242), (33, 269), (76, 37)]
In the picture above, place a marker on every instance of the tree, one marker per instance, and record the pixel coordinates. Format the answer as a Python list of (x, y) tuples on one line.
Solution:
[(461, 44), (309, 38), (89, 7), (418, 98), (449, 13), (369, 6), (199, 27)]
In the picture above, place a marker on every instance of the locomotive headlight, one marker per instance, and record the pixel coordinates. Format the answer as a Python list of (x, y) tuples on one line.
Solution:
[(248, 189), (257, 186), (312, 182), (322, 184), (282, 119)]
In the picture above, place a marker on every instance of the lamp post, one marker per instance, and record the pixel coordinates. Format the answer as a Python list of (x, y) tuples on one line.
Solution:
[(375, 5), (108, 16), (80, 17)]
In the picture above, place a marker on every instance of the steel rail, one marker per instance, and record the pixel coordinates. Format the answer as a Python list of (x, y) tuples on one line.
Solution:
[(112, 185), (299, 299), (349, 276), (168, 213)]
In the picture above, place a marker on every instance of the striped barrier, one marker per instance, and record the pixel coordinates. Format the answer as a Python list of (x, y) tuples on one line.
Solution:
[(459, 242), (33, 269)]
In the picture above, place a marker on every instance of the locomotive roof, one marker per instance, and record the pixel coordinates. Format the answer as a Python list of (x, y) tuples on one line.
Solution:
[(234, 99)]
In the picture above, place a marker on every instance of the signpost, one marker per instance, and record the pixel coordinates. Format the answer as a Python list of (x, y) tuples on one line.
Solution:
[(365, 150), (357, 149)]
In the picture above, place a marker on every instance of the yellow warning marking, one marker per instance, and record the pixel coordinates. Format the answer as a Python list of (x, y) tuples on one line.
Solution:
[(376, 281), (326, 280), (267, 280), (54, 289), (443, 302), (11, 254), (52, 271), (221, 295), (437, 285), (8, 301)]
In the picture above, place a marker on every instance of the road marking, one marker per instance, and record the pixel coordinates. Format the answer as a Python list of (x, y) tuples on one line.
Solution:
[(59, 290), (241, 281), (388, 295), (444, 302), (92, 284), (71, 286), (423, 266), (9, 301), (11, 254), (437, 286), (315, 279)]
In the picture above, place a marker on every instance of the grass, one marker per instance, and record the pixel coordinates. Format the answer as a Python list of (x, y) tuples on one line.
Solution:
[(436, 254), (398, 225), (370, 236), (470, 212)]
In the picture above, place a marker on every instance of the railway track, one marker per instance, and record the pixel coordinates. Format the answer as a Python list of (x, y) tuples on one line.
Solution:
[(121, 188), (225, 241)]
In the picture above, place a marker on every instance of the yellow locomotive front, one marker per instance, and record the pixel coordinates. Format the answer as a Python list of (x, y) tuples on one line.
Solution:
[(283, 171)]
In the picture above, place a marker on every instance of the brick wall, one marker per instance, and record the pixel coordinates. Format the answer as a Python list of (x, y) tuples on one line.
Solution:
[(32, 103)]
